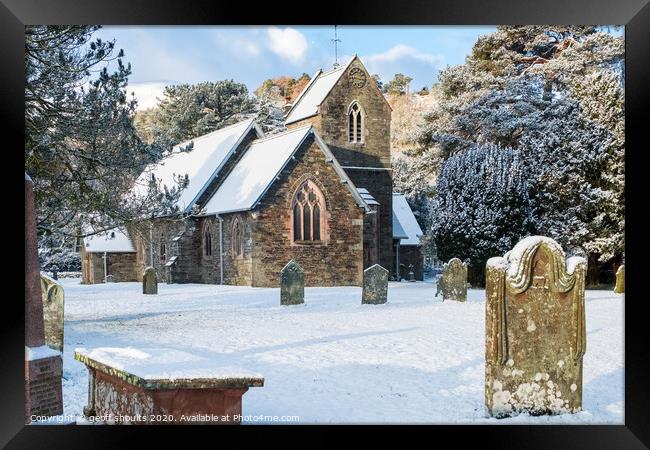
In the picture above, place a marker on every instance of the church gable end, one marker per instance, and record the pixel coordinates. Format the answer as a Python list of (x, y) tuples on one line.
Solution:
[(309, 190)]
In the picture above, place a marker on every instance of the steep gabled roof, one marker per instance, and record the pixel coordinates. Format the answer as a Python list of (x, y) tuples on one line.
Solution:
[(201, 164), (110, 241), (398, 229), (261, 165), (307, 103), (403, 214)]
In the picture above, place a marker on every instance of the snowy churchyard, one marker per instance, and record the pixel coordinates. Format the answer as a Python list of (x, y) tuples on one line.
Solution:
[(332, 359)]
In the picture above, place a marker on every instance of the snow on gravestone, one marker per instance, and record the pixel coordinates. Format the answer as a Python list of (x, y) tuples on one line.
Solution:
[(375, 285), (535, 330), (620, 280), (149, 281), (292, 284), (453, 281)]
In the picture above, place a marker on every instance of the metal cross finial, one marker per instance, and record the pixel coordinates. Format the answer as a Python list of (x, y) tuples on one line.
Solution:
[(336, 40)]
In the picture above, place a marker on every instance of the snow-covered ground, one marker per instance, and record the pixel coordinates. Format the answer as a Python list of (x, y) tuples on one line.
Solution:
[(333, 360)]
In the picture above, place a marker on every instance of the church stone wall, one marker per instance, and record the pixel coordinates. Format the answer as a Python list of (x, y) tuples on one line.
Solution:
[(237, 268), (122, 267), (339, 261)]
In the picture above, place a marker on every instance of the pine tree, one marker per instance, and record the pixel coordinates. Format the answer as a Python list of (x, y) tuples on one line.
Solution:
[(81, 147)]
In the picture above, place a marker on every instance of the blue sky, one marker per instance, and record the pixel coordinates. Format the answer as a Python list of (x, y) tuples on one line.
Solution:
[(161, 55)]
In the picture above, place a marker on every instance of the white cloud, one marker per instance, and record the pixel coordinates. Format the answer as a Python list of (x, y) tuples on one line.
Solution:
[(147, 94), (422, 67), (401, 52), (237, 44), (288, 43)]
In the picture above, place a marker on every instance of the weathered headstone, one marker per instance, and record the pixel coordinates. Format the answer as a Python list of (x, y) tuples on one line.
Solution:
[(149, 281), (375, 285), (110, 278), (453, 281), (53, 303), (411, 274), (292, 284), (535, 330), (43, 365), (620, 280)]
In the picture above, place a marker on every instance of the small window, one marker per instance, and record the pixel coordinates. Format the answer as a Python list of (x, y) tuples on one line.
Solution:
[(355, 124), (237, 238), (207, 244), (163, 253)]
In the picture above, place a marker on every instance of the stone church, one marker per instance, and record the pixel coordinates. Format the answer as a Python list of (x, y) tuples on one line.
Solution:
[(320, 193)]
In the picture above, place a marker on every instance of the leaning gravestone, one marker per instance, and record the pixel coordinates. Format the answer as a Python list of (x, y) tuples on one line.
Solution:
[(149, 281), (375, 285), (535, 330), (53, 298), (620, 280), (453, 281), (292, 284)]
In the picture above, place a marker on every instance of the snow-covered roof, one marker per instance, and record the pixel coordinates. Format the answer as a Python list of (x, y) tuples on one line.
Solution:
[(398, 230), (367, 196), (111, 241), (306, 104), (263, 161), (402, 212), (201, 164)]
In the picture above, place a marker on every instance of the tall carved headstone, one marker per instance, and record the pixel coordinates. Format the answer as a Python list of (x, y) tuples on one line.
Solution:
[(53, 303), (620, 280), (375, 285), (292, 284), (453, 281), (149, 281), (535, 330), (43, 365)]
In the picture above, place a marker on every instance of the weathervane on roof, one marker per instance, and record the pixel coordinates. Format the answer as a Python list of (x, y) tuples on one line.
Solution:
[(336, 40)]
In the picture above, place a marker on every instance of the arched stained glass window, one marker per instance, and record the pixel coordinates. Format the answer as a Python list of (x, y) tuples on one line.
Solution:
[(308, 218)]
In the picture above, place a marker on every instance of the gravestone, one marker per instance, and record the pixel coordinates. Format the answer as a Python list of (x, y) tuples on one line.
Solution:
[(453, 281), (53, 302), (149, 281), (535, 330), (411, 274), (292, 284), (620, 280), (110, 278), (375, 285), (43, 366)]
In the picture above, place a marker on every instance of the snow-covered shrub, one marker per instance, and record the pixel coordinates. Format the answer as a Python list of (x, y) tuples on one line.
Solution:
[(481, 208)]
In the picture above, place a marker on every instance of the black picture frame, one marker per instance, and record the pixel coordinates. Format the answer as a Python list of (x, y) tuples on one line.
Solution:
[(634, 14)]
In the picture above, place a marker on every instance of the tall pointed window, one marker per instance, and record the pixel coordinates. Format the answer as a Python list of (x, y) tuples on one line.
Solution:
[(355, 123), (307, 212), (163, 253), (237, 238), (207, 243)]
